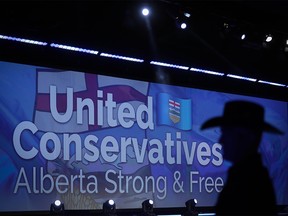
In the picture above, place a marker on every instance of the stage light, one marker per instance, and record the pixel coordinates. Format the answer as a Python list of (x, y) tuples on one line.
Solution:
[(121, 57), (23, 40), (186, 14), (183, 25), (109, 208), (191, 208), (286, 46), (169, 65), (57, 208), (268, 38), (72, 48), (243, 36), (271, 83), (241, 77), (207, 71), (181, 21), (226, 28), (147, 208), (225, 25), (145, 12)]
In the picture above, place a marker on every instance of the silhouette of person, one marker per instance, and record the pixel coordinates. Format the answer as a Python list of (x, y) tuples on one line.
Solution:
[(248, 189)]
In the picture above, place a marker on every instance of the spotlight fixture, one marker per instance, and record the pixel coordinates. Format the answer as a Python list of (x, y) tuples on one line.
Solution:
[(147, 208), (227, 27), (147, 205), (186, 14), (243, 36), (286, 46), (109, 208), (145, 11), (57, 208), (181, 22), (183, 25), (191, 208), (268, 41), (268, 38)]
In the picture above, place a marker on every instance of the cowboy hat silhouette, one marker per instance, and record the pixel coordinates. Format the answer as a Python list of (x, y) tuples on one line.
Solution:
[(244, 114)]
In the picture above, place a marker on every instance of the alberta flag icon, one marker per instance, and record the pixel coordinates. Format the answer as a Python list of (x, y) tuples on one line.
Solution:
[(173, 111)]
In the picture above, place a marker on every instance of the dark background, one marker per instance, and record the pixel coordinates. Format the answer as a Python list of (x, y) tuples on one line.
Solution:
[(211, 40)]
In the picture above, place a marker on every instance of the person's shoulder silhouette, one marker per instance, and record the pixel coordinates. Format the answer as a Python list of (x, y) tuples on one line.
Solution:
[(248, 189)]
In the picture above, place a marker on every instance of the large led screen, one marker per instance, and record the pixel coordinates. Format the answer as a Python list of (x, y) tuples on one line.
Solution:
[(84, 138)]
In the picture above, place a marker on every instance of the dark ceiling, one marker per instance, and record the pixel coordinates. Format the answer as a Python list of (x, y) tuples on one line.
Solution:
[(118, 27)]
